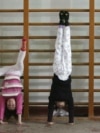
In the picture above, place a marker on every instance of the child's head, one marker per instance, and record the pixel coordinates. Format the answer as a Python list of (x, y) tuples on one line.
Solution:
[(11, 104), (60, 104)]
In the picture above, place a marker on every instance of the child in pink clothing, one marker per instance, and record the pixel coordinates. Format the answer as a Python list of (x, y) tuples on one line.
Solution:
[(11, 90)]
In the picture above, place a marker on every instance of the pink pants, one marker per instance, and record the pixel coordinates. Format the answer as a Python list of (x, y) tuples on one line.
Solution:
[(19, 104)]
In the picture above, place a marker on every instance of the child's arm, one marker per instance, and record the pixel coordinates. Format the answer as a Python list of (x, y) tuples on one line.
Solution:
[(20, 119), (50, 112), (2, 109), (19, 107)]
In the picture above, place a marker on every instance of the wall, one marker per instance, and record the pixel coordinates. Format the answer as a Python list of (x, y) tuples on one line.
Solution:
[(78, 44)]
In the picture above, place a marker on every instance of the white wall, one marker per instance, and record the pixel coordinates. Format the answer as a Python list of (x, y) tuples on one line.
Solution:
[(49, 44)]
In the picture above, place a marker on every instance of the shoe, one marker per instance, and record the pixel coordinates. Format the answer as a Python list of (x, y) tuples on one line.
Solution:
[(62, 112), (23, 47), (66, 17), (54, 113), (62, 17)]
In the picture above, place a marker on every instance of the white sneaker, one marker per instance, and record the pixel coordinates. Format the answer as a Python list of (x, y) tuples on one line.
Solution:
[(55, 113), (60, 112)]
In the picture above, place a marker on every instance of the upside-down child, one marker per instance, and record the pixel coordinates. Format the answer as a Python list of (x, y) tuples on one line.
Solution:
[(61, 94), (11, 97)]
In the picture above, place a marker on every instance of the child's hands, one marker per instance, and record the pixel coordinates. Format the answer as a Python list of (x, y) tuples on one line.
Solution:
[(20, 123), (19, 119), (72, 123), (50, 123), (2, 122)]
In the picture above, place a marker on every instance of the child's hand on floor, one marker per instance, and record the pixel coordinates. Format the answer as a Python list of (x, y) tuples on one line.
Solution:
[(2, 122), (50, 123), (20, 123)]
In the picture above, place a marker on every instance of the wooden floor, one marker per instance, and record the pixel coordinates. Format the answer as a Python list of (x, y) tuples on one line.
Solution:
[(37, 124)]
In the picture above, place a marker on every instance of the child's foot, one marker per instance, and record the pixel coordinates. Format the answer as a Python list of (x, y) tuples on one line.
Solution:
[(61, 17), (23, 48), (66, 16)]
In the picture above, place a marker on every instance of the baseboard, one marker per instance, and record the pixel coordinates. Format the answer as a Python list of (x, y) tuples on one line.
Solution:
[(42, 110), (78, 111)]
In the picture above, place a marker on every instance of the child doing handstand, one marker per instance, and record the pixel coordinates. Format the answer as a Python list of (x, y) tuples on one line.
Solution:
[(61, 94), (11, 97)]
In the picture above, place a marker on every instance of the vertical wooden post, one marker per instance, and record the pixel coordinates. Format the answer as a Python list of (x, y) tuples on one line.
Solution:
[(26, 78), (91, 60)]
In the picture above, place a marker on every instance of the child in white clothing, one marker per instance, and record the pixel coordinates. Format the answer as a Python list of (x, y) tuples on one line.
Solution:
[(61, 93)]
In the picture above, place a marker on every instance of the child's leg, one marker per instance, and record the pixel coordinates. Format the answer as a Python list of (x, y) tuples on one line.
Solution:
[(57, 67), (21, 56), (2, 107), (66, 57)]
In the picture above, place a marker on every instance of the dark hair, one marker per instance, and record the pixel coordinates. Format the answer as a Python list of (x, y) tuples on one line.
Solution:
[(9, 113)]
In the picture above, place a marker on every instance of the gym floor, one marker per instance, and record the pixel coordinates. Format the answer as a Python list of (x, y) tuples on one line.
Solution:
[(38, 125)]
